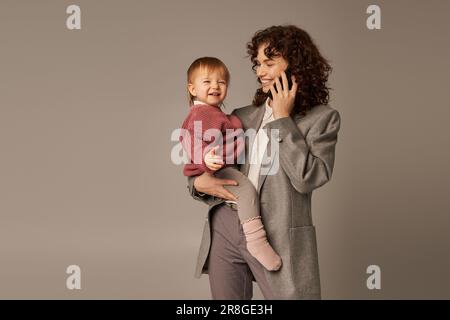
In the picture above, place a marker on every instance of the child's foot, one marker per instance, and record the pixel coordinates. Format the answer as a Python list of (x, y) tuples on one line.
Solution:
[(258, 246)]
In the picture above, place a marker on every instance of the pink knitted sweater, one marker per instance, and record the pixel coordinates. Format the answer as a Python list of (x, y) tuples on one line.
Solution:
[(195, 142)]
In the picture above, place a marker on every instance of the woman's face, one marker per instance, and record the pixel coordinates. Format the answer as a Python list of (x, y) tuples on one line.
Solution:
[(267, 70)]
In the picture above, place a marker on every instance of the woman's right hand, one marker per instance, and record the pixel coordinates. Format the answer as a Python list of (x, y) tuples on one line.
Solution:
[(207, 183)]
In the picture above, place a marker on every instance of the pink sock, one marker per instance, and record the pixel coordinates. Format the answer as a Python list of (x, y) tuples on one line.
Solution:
[(258, 246)]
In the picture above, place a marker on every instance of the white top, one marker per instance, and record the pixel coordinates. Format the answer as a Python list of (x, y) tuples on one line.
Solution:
[(197, 102), (259, 147)]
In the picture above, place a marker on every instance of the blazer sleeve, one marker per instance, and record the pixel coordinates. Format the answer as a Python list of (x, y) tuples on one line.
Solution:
[(205, 198), (308, 161)]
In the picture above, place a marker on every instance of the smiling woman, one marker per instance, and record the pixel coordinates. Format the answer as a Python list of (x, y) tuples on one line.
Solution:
[(308, 129), (275, 49)]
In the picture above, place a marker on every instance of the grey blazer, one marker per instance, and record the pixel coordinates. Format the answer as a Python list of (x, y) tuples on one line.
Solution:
[(306, 159)]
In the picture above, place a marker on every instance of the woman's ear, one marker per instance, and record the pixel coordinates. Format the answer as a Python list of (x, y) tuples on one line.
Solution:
[(191, 89)]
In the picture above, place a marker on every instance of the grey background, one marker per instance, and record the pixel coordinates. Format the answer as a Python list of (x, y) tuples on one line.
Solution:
[(85, 124)]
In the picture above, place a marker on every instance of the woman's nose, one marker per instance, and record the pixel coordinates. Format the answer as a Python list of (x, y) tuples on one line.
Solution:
[(260, 71)]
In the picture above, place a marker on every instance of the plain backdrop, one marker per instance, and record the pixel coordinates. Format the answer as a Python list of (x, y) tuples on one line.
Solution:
[(86, 118)]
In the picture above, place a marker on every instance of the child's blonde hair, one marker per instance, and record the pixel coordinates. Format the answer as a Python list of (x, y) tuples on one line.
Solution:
[(211, 64)]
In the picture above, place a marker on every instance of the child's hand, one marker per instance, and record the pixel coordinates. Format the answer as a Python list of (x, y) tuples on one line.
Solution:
[(212, 161)]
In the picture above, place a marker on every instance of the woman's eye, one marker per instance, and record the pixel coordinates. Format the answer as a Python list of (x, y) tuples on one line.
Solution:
[(222, 82), (206, 81)]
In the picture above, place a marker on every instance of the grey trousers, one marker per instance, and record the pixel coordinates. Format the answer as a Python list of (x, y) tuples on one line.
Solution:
[(231, 268)]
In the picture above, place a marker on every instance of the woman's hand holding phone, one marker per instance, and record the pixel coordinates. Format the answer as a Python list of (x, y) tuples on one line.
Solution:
[(283, 97)]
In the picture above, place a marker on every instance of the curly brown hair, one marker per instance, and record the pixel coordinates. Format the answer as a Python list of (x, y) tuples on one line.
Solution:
[(307, 65)]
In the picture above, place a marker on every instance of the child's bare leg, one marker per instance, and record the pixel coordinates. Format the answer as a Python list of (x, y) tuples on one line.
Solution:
[(249, 215)]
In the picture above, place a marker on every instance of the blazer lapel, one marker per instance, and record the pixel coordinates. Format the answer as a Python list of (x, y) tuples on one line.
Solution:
[(266, 158)]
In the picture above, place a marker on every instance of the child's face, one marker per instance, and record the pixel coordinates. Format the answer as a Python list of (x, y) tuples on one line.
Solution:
[(209, 87)]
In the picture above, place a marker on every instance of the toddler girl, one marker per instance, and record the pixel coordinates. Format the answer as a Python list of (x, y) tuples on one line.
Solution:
[(208, 80)]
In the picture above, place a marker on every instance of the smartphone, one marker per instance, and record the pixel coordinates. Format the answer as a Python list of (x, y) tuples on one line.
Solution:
[(288, 76)]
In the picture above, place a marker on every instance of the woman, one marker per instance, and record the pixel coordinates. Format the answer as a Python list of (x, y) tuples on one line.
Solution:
[(307, 135)]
